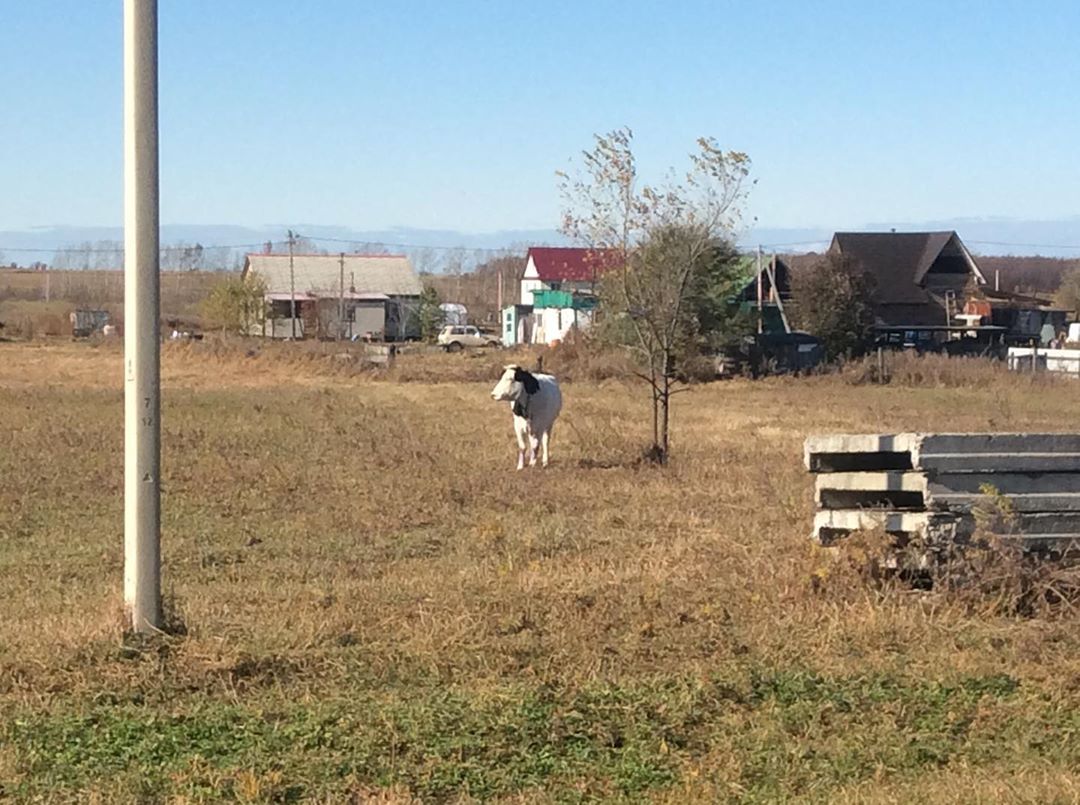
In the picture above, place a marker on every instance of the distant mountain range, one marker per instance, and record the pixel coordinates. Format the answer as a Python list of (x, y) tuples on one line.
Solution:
[(225, 245), (989, 236), (440, 250)]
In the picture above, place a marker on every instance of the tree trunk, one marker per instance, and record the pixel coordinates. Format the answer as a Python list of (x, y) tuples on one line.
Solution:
[(655, 414), (665, 417)]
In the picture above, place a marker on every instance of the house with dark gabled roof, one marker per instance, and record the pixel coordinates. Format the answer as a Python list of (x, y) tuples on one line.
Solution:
[(921, 279), (765, 294)]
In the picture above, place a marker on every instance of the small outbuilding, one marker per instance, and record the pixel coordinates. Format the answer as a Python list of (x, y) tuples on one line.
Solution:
[(454, 313)]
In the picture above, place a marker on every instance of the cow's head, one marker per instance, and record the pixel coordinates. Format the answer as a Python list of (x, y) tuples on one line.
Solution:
[(514, 382)]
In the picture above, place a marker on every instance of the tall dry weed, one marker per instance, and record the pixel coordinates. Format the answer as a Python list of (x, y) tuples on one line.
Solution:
[(989, 573), (931, 370)]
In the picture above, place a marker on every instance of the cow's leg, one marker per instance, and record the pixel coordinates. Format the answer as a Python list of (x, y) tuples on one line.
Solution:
[(534, 448), (521, 431), (545, 442)]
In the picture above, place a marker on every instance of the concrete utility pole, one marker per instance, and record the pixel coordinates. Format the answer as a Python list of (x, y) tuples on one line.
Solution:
[(142, 372), (292, 286)]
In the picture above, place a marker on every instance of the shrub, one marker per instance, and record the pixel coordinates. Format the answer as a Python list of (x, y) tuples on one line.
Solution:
[(835, 304)]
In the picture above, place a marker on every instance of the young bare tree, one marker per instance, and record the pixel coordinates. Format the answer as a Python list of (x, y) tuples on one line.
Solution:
[(659, 243)]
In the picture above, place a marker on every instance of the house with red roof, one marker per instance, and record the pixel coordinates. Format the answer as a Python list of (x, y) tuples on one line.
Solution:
[(558, 293), (562, 268)]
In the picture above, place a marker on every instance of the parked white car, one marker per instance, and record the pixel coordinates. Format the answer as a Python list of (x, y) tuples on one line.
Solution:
[(455, 337)]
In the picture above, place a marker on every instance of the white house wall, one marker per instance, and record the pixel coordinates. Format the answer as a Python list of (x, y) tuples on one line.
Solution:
[(530, 281), (553, 324)]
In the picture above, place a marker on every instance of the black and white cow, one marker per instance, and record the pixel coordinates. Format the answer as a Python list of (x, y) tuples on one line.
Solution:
[(536, 401)]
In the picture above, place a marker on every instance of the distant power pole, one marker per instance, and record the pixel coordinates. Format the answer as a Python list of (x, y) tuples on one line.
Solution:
[(774, 294), (142, 311), (341, 298), (760, 294), (292, 285)]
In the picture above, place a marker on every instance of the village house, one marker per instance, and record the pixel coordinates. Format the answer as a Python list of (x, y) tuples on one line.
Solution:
[(368, 296), (774, 345), (921, 282), (920, 278), (764, 297), (558, 293), (929, 291)]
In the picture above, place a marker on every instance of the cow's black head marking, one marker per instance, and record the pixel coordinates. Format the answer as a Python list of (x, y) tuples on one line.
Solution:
[(532, 385)]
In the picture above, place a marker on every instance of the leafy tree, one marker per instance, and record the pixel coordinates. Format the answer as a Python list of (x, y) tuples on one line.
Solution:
[(235, 304), (1068, 293), (663, 244), (717, 321), (707, 321), (429, 316), (834, 301)]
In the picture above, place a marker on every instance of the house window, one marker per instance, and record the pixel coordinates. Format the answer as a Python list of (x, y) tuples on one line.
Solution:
[(555, 286), (281, 308)]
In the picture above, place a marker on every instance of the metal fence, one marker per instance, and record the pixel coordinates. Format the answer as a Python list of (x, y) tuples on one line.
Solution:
[(1036, 359)]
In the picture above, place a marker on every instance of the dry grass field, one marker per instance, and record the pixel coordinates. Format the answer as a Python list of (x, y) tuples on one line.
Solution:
[(25, 313), (370, 605)]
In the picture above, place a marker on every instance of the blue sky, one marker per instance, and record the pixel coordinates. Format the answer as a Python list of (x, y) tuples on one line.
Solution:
[(455, 115)]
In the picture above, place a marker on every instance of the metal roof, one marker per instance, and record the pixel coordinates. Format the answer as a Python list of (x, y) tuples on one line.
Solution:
[(940, 328), (389, 274), (286, 297), (570, 264)]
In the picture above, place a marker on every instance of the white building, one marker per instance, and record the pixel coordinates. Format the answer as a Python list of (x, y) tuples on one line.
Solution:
[(558, 292)]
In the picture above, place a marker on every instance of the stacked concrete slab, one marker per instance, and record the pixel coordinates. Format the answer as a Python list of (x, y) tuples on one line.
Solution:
[(923, 484)]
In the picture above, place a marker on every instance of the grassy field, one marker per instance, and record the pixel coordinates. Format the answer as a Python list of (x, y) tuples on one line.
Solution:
[(370, 605)]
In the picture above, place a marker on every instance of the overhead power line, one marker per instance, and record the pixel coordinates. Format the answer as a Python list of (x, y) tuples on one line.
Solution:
[(497, 249), (1074, 246), (1025, 245), (120, 248), (260, 245), (817, 242)]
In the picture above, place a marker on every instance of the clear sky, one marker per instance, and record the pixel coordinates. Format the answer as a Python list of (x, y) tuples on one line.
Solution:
[(455, 115)]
